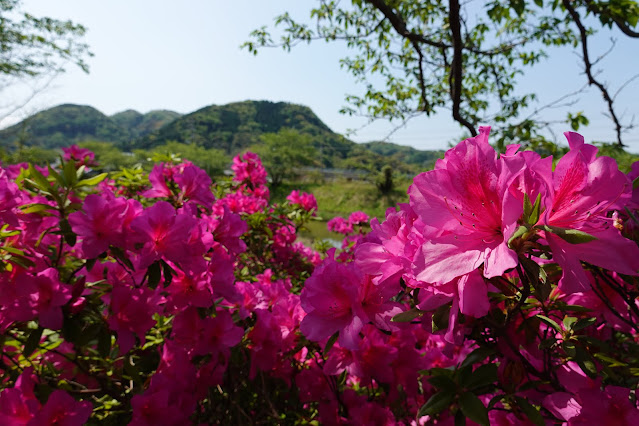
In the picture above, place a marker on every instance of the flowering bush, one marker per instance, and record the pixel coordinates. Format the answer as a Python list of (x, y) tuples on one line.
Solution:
[(504, 292)]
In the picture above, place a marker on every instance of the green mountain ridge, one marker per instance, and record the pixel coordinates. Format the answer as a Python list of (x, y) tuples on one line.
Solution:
[(231, 128)]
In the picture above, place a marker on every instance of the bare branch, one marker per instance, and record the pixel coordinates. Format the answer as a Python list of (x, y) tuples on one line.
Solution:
[(456, 77), (588, 68)]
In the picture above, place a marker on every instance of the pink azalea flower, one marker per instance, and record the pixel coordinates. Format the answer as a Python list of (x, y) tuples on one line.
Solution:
[(159, 188), (195, 185), (18, 405), (339, 298), (131, 313), (163, 232), (372, 360), (339, 225), (221, 276), (82, 156), (10, 198), (584, 189), (189, 289), (388, 250), (49, 297), (593, 406), (464, 197), (227, 227), (358, 218), (248, 167), (100, 223), (154, 407), (207, 336), (62, 409), (305, 200)]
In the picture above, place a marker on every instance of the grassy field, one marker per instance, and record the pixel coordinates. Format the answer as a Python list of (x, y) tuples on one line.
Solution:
[(341, 197)]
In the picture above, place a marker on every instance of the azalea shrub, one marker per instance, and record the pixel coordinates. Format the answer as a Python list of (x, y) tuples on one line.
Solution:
[(504, 292)]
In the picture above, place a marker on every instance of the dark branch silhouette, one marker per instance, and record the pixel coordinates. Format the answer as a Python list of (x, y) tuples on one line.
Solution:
[(588, 68)]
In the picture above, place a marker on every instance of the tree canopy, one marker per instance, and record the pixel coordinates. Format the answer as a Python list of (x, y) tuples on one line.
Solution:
[(30, 46), (283, 151), (424, 56)]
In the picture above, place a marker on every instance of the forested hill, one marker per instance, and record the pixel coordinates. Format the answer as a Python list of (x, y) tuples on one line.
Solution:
[(140, 125), (230, 128), (67, 124)]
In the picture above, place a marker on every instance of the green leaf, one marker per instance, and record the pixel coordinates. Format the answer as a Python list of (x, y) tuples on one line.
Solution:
[(407, 316), (442, 382), (38, 179), (531, 211), (568, 322), (534, 214), (583, 323), (71, 329), (476, 356), (331, 342), (531, 268), (527, 208), (104, 343), (586, 363), (154, 273), (550, 322), (572, 236), (69, 236), (484, 375), (440, 318), (119, 254), (33, 341), (473, 408), (436, 403), (55, 175), (518, 233), (69, 174), (574, 308), (93, 181), (460, 419), (168, 273), (611, 361), (89, 264), (570, 348), (36, 208), (132, 370), (530, 411)]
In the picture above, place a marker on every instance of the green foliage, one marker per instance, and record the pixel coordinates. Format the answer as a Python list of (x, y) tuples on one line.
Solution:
[(31, 46), (417, 57), (340, 197), (384, 180), (139, 125), (283, 152), (229, 129), (405, 154), (62, 126), (108, 156), (69, 124), (29, 154), (624, 158), (213, 161)]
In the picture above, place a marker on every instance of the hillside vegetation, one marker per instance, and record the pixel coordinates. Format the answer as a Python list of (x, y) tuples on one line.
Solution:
[(229, 128)]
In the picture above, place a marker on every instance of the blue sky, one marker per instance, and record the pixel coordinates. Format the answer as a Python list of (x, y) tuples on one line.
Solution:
[(185, 55)]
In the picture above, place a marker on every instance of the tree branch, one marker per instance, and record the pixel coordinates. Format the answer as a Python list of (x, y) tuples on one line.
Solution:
[(398, 22), (456, 69), (588, 68)]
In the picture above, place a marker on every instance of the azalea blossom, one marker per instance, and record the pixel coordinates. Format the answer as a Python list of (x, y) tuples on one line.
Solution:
[(464, 198)]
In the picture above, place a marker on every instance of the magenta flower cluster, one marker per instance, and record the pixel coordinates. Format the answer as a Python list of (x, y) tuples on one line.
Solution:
[(504, 292)]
